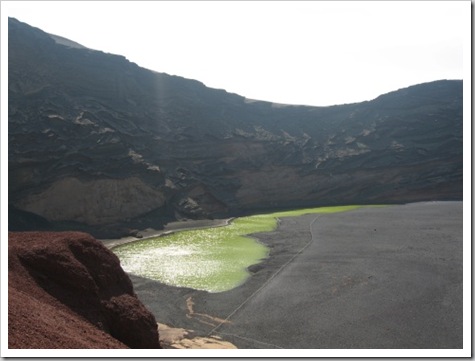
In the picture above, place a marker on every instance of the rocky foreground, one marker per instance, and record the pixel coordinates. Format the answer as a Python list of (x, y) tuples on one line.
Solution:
[(66, 290)]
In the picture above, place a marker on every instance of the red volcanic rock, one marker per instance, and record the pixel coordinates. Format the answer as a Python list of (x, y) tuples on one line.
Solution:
[(66, 290)]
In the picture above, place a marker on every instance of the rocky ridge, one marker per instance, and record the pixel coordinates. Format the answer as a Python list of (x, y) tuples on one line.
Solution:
[(100, 144)]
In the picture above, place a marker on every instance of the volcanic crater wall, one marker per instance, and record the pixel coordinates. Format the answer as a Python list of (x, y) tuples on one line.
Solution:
[(96, 140)]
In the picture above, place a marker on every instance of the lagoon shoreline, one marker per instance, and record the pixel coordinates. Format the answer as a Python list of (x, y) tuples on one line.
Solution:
[(168, 228)]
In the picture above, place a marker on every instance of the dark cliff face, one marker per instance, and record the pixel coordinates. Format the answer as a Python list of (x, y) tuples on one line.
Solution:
[(95, 139)]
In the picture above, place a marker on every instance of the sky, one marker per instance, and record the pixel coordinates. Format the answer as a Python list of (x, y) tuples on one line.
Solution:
[(310, 52)]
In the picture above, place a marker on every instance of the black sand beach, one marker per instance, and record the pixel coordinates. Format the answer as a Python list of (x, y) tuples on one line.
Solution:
[(387, 277)]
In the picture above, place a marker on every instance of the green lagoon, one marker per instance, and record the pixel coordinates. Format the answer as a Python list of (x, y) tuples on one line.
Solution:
[(212, 259)]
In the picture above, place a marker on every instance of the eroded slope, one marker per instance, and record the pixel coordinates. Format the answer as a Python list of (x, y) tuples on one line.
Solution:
[(95, 140)]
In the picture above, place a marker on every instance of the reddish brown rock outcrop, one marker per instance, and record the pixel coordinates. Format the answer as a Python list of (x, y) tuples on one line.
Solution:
[(66, 290)]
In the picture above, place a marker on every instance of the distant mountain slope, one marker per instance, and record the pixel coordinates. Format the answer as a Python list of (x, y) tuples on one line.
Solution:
[(97, 140)]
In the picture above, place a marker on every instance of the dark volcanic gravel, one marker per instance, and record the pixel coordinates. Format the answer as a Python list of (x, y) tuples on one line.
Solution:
[(387, 277)]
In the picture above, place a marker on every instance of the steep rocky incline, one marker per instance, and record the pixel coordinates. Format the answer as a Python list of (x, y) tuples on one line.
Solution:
[(66, 290), (97, 141)]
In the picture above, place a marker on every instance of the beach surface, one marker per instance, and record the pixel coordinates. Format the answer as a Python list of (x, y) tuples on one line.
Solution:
[(377, 278)]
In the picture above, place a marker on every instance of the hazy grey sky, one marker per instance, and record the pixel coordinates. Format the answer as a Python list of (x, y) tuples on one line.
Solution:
[(311, 52)]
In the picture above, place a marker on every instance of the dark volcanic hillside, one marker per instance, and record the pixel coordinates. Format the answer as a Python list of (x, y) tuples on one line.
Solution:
[(96, 140)]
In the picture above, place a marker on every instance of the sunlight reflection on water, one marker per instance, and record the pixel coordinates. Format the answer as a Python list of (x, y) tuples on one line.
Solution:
[(201, 259)]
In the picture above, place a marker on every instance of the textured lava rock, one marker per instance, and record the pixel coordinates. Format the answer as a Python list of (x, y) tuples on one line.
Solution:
[(97, 140), (66, 290)]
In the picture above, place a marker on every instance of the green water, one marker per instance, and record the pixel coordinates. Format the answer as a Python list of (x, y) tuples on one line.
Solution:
[(212, 259)]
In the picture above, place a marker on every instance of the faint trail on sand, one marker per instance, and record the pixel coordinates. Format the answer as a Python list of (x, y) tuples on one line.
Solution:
[(226, 320)]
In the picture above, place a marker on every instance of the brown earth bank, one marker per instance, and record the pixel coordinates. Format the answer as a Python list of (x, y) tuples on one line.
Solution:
[(67, 290)]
